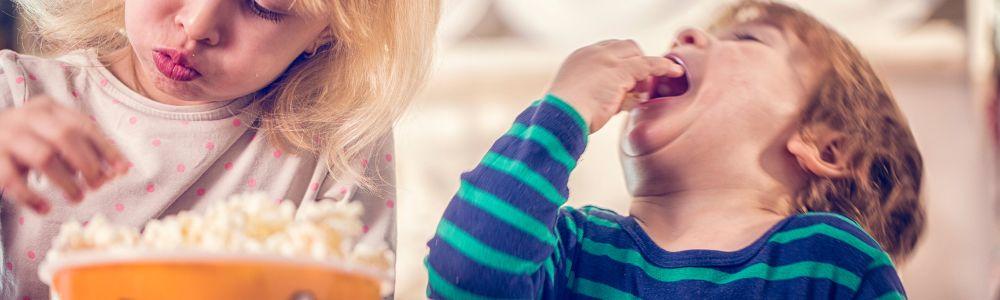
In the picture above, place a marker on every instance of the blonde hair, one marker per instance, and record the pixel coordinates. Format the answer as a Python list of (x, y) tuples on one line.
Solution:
[(337, 102), (882, 191)]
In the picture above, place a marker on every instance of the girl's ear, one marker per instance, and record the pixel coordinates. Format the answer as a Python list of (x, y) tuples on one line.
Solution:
[(820, 152), (324, 38)]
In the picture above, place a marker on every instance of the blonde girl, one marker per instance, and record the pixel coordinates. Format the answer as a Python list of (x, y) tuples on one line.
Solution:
[(151, 107)]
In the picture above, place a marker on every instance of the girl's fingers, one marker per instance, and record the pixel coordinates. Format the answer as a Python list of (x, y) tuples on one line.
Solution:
[(12, 181), (99, 146), (32, 152), (69, 143)]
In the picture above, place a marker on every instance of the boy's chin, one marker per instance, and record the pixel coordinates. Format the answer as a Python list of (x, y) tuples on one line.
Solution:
[(641, 140)]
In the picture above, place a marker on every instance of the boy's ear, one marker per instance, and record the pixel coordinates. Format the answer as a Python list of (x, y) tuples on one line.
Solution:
[(820, 152), (324, 38)]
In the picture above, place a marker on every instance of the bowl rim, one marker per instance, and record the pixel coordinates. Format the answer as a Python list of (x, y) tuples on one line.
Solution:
[(48, 268)]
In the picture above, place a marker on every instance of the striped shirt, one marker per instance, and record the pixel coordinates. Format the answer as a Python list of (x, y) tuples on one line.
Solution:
[(506, 234)]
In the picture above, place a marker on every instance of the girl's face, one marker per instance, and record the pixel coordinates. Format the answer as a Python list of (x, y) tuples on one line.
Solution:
[(199, 51), (746, 86)]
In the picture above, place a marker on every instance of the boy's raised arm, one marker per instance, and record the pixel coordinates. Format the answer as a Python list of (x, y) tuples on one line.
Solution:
[(496, 238)]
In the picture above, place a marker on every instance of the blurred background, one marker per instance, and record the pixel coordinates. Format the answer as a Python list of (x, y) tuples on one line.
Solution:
[(496, 56)]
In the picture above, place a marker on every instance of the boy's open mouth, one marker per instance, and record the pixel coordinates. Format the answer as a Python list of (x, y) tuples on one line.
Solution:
[(670, 87)]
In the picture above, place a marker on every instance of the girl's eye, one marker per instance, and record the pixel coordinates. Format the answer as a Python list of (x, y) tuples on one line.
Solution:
[(746, 37), (264, 13)]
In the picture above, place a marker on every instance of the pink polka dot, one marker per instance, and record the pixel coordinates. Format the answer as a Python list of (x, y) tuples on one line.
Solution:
[(365, 229), (389, 203), (314, 186), (115, 101), (130, 165), (119, 207), (10, 266), (278, 200), (181, 168), (185, 122), (343, 190), (277, 153), (93, 118), (209, 146), (20, 220), (19, 80), (253, 137), (32, 77), (75, 94), (85, 223), (388, 157), (364, 163), (200, 192), (156, 142), (229, 166), (252, 182), (150, 188), (104, 82), (25, 298), (31, 255), (133, 120), (237, 122)]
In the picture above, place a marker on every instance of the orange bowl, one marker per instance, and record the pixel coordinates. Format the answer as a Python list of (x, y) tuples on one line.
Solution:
[(206, 276)]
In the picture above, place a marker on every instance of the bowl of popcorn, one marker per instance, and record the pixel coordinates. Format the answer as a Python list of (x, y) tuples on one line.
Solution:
[(246, 247)]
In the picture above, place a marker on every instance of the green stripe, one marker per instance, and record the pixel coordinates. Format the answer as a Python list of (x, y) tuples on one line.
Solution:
[(445, 288), (600, 290), (879, 257), (571, 224), (569, 110), (603, 222), (550, 269), (546, 139), (524, 174), (809, 269), (506, 212), (893, 295), (481, 253)]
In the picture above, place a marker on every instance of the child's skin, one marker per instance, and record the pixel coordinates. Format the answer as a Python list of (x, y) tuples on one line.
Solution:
[(715, 167), (238, 47)]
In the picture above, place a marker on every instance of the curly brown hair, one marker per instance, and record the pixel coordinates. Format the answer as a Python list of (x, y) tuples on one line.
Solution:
[(882, 190)]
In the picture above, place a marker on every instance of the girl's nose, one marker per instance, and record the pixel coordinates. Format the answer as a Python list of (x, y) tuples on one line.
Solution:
[(693, 37), (200, 21)]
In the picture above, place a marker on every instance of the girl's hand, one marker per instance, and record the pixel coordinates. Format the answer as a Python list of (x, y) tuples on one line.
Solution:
[(58, 142), (596, 79)]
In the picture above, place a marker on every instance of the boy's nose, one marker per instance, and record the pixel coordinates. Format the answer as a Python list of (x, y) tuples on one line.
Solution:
[(692, 37), (200, 21)]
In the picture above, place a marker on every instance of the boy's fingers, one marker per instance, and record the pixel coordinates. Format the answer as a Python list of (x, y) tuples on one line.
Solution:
[(661, 66), (624, 48), (14, 186)]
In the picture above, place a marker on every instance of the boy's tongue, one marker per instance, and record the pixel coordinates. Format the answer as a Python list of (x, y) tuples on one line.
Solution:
[(669, 87)]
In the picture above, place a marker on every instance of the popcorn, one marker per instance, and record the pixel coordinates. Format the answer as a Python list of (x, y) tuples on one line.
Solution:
[(249, 223)]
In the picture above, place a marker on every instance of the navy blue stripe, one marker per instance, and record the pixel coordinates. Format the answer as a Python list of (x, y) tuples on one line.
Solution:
[(560, 124), (536, 157), (454, 267), (513, 191), (499, 236)]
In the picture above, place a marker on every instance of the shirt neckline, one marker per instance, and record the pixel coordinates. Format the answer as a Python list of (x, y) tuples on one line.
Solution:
[(102, 78), (695, 257)]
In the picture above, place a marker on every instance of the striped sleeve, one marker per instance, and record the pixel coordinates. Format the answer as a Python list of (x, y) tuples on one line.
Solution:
[(497, 238)]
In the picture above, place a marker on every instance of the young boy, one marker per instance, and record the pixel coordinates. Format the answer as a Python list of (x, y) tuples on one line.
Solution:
[(769, 162)]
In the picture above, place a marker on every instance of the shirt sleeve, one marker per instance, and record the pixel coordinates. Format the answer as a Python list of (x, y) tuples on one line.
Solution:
[(501, 234), (881, 283)]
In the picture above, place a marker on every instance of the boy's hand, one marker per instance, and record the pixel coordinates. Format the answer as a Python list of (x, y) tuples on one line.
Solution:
[(58, 142), (596, 79)]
